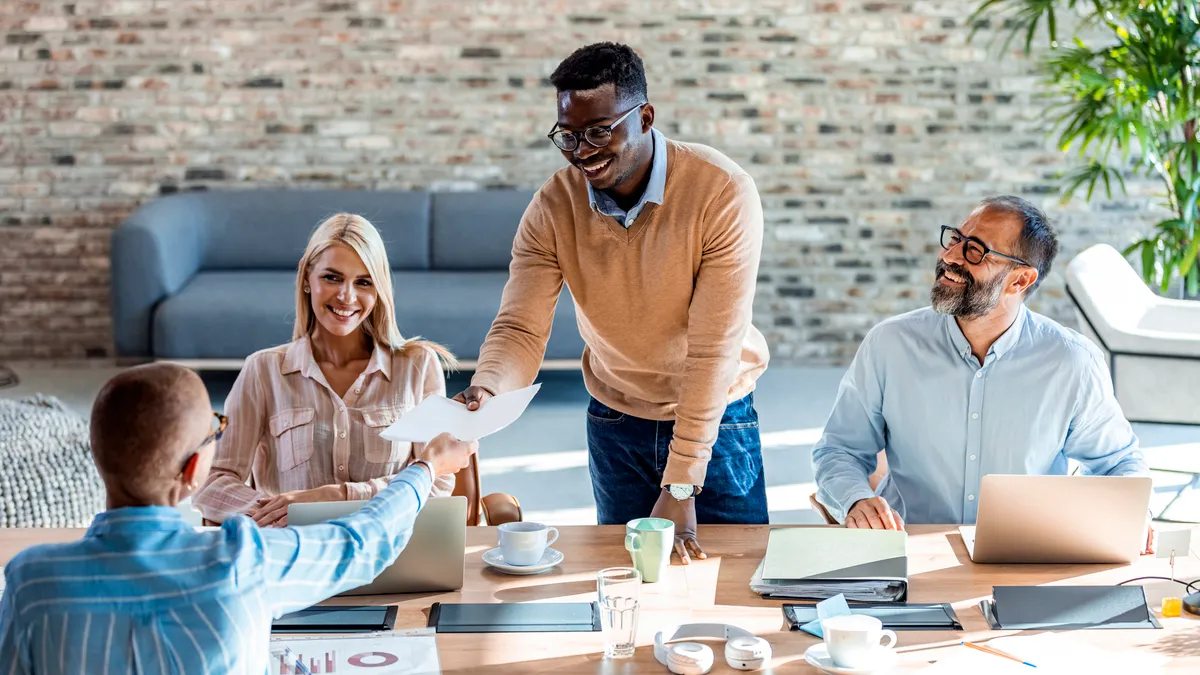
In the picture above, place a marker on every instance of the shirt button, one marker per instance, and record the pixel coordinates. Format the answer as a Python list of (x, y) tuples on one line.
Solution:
[(358, 390), (970, 498), (972, 458), (342, 435), (974, 416), (341, 467), (978, 374)]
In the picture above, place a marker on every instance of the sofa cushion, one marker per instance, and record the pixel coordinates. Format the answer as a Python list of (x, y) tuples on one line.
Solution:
[(457, 309), (475, 230), (268, 229), (226, 315), (231, 314)]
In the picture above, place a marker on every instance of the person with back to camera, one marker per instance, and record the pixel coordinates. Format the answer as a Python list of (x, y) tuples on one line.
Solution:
[(144, 592)]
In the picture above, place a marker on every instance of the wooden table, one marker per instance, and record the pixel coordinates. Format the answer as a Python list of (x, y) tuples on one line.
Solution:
[(717, 590)]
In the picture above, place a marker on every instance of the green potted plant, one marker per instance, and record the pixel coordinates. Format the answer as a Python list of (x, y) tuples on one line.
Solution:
[(1127, 105)]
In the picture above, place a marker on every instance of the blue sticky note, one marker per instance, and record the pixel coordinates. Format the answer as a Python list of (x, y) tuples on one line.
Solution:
[(835, 606)]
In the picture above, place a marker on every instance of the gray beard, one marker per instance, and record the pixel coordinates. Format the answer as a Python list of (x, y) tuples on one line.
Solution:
[(972, 300)]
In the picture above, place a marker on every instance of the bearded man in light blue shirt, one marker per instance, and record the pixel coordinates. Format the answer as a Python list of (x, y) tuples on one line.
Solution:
[(975, 384)]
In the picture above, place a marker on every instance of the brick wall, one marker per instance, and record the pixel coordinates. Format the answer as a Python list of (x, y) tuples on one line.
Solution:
[(866, 124)]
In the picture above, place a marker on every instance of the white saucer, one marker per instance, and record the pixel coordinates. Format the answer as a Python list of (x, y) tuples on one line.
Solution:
[(495, 558), (818, 657)]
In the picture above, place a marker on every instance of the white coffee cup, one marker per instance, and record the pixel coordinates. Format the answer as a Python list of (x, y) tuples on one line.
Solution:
[(853, 640), (524, 543)]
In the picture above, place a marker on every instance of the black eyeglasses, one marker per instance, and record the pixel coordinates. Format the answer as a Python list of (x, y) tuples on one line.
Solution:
[(973, 250), (598, 136)]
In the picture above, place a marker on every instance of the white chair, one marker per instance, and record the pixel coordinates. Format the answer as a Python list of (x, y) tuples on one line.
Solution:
[(1152, 343)]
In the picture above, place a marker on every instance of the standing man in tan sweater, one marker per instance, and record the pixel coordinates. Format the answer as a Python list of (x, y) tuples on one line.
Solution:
[(659, 244)]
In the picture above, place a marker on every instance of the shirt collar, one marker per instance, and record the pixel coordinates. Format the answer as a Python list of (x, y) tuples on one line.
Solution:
[(658, 177), (1009, 340), (1000, 347), (381, 361), (138, 519), (299, 359)]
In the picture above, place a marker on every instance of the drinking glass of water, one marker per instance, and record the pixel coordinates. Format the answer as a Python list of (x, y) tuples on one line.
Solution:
[(617, 588)]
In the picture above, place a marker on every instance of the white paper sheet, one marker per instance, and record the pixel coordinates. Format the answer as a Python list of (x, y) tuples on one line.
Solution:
[(437, 414), (381, 654)]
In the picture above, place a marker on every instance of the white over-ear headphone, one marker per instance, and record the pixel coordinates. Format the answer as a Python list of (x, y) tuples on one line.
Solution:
[(743, 649)]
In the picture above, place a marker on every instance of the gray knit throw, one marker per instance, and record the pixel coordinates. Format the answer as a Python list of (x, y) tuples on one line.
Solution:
[(47, 478)]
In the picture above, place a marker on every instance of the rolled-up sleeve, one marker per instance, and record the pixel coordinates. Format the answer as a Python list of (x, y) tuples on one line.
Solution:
[(848, 451), (226, 493)]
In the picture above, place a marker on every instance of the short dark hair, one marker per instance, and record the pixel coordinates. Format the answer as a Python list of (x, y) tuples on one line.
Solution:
[(139, 421), (1038, 243), (602, 63)]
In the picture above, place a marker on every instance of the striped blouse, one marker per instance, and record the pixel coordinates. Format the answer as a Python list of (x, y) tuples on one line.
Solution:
[(144, 592), (290, 431)]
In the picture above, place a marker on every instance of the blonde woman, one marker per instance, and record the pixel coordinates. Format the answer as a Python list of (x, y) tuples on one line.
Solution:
[(305, 417)]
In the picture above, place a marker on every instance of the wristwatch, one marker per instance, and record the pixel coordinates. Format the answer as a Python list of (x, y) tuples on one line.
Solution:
[(428, 467), (683, 492)]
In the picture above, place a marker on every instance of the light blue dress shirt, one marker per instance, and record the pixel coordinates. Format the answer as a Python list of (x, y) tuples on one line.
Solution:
[(1042, 396), (605, 205), (144, 592)]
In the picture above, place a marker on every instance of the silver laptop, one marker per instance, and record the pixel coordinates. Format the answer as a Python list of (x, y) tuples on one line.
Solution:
[(434, 557), (1059, 519)]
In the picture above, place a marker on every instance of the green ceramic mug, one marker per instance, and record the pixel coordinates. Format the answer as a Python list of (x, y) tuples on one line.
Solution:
[(649, 542)]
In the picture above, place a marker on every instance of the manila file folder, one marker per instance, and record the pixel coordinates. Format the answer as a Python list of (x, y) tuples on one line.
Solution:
[(815, 562)]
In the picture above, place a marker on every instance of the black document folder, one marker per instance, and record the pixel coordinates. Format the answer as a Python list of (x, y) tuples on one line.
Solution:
[(337, 619), (1067, 608), (894, 616), (526, 617)]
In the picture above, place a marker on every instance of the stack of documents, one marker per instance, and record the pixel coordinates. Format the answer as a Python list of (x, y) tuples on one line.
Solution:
[(818, 563)]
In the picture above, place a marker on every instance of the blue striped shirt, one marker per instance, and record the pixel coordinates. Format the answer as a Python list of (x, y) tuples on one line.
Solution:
[(144, 592)]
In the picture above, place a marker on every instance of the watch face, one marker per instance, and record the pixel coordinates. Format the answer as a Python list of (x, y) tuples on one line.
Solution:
[(682, 492)]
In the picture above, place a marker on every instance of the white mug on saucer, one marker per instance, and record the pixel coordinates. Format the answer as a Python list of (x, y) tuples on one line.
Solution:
[(524, 543), (853, 640)]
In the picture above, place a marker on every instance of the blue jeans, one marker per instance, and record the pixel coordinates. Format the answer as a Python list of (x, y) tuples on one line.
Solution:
[(627, 456)]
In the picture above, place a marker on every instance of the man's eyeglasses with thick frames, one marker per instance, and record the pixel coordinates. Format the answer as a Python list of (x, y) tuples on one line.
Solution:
[(973, 250), (598, 136)]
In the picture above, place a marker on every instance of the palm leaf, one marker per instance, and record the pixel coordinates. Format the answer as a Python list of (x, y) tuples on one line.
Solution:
[(1189, 258), (1130, 91)]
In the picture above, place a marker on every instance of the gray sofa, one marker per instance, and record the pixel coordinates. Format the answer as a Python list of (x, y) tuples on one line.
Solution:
[(211, 275)]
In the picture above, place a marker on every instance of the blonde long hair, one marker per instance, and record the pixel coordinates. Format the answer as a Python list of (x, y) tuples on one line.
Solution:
[(358, 234)]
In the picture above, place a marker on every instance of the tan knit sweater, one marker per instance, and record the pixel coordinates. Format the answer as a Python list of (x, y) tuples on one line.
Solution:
[(664, 307)]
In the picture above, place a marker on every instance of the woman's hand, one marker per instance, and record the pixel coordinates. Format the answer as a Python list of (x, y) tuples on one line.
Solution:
[(272, 511)]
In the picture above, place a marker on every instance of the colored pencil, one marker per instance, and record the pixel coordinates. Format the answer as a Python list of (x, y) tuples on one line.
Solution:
[(996, 652)]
